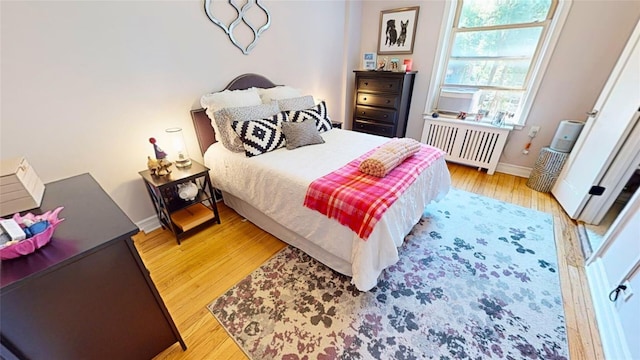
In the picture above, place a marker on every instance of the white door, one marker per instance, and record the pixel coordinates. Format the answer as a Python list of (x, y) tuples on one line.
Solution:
[(603, 133), (617, 262), (618, 174)]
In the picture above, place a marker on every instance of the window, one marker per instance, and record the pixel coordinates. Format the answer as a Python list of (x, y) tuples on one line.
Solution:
[(492, 58)]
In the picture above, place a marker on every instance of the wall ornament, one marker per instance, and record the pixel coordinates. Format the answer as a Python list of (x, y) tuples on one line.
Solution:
[(241, 13)]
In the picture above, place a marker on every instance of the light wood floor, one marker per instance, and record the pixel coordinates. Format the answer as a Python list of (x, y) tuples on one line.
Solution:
[(193, 274)]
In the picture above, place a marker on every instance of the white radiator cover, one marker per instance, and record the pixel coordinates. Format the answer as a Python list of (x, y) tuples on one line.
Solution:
[(466, 142)]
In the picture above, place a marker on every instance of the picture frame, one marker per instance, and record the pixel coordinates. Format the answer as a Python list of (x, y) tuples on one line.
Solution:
[(394, 64), (369, 61), (397, 31)]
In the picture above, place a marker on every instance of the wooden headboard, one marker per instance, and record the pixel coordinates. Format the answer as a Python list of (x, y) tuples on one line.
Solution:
[(201, 122)]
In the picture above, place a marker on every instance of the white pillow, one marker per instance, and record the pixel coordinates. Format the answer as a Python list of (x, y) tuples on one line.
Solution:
[(295, 104), (230, 98), (278, 93)]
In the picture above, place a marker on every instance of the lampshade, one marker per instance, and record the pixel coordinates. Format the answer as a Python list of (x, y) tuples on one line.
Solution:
[(179, 148)]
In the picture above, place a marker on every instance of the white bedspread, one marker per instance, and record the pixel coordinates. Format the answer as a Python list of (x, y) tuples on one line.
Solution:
[(275, 183)]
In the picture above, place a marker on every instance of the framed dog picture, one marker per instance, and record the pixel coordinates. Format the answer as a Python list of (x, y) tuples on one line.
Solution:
[(397, 30)]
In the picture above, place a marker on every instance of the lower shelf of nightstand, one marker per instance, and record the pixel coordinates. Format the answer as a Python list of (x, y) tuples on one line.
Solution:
[(192, 216)]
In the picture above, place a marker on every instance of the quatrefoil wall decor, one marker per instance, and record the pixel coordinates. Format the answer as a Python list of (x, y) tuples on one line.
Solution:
[(241, 13)]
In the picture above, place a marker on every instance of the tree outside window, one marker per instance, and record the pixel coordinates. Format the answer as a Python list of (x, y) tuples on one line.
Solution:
[(491, 56)]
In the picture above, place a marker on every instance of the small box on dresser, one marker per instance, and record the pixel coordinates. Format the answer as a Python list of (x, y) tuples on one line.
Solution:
[(20, 187), (382, 101)]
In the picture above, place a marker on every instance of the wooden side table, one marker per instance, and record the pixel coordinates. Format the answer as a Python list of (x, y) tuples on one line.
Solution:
[(182, 216)]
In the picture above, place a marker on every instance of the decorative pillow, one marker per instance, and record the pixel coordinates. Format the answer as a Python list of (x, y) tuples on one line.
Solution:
[(231, 98), (223, 119), (261, 136), (318, 113), (389, 155), (295, 104), (278, 93), (301, 134)]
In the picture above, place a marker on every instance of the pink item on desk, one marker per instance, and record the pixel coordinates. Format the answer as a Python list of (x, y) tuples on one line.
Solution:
[(409, 63), (29, 245)]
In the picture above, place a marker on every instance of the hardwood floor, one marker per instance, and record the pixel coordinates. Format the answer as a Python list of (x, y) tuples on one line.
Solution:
[(193, 274)]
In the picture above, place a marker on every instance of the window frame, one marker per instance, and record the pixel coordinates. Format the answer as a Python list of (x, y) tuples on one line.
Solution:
[(540, 59)]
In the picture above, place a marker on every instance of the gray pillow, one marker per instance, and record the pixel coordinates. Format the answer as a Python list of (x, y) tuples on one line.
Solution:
[(224, 118), (295, 104), (301, 134)]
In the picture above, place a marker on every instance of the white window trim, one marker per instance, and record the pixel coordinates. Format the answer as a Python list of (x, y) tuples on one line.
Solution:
[(539, 68)]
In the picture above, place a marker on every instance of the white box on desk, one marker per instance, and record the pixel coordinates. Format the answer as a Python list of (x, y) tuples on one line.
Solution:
[(20, 187)]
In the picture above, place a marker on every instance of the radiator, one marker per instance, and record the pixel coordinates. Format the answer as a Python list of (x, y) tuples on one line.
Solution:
[(466, 142)]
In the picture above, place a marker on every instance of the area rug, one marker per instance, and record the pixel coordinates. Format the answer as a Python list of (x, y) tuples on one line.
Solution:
[(477, 279)]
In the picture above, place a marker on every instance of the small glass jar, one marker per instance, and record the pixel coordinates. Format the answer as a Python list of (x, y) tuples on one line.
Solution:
[(176, 137), (498, 119)]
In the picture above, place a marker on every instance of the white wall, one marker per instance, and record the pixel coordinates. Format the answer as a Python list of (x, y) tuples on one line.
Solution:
[(426, 42), (86, 83), (589, 45)]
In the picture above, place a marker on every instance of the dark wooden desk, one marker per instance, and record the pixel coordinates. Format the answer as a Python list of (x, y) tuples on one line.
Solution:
[(86, 294)]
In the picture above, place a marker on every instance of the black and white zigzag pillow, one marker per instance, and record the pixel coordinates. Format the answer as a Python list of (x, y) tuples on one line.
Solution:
[(261, 136), (318, 113)]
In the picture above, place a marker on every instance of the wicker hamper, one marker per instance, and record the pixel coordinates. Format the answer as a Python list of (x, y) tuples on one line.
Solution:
[(546, 169)]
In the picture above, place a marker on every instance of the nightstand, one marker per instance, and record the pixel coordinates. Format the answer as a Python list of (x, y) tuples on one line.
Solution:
[(182, 216)]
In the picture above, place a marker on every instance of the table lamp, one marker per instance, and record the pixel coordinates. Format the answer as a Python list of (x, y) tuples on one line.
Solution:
[(182, 159)]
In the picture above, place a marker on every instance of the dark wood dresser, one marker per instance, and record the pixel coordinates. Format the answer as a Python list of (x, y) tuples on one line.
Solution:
[(382, 101), (86, 294)]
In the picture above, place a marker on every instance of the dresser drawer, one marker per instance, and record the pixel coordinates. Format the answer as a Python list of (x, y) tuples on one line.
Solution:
[(373, 128), (380, 84), (386, 100), (378, 114)]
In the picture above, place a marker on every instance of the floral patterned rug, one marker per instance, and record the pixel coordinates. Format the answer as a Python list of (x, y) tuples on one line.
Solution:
[(477, 279)]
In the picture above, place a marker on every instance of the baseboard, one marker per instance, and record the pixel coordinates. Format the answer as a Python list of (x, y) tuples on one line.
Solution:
[(149, 224), (585, 245), (515, 170), (612, 337)]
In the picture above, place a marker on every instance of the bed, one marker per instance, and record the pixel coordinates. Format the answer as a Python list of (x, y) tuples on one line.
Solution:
[(269, 190)]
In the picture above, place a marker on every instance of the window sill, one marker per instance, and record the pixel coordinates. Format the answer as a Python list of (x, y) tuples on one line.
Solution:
[(471, 121)]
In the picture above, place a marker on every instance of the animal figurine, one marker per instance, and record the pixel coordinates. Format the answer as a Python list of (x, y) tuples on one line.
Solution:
[(403, 32), (391, 32), (158, 167), (187, 191)]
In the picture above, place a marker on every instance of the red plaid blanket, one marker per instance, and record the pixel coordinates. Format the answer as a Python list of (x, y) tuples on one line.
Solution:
[(358, 200)]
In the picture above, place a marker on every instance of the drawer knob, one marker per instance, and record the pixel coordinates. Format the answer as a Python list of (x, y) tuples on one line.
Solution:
[(362, 113), (388, 101), (390, 85), (364, 98), (366, 83), (385, 115)]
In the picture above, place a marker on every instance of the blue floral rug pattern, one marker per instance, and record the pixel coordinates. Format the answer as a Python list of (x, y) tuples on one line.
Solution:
[(477, 279)]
